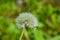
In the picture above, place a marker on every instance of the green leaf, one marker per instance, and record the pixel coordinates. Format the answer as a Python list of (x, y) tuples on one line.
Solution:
[(56, 38), (40, 25), (12, 29), (38, 35)]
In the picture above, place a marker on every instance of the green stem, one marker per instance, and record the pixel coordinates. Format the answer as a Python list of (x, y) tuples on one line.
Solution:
[(21, 35), (26, 35)]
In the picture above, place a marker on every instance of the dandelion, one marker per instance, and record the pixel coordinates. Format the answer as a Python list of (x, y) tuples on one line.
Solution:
[(26, 19), (19, 2)]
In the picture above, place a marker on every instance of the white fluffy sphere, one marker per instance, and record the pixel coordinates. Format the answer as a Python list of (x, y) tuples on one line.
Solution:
[(26, 19)]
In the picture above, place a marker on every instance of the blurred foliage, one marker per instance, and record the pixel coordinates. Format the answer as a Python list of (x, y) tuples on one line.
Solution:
[(47, 13)]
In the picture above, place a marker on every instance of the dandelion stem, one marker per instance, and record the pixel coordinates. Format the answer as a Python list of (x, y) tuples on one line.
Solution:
[(21, 35), (26, 35)]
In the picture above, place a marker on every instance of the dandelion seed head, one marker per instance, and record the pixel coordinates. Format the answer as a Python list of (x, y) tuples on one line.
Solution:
[(26, 19)]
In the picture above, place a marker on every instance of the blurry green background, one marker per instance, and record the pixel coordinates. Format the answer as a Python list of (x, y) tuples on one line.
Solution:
[(47, 13)]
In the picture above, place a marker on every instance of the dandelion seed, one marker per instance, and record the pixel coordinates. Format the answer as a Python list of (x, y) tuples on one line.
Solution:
[(26, 19), (19, 2)]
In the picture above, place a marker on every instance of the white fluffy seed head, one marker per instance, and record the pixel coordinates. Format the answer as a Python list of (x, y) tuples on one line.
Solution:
[(26, 19), (19, 2)]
